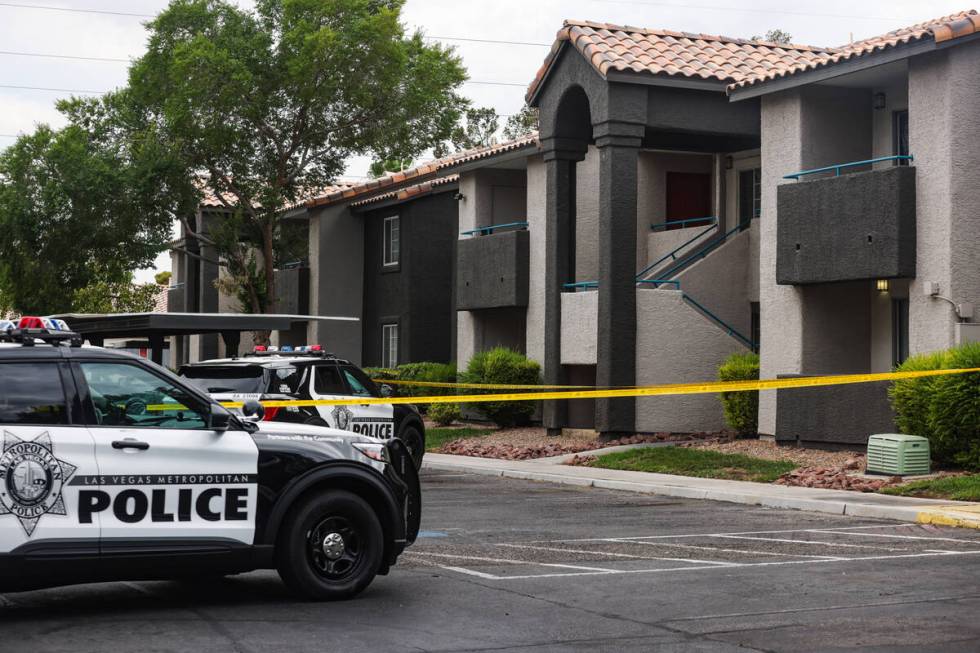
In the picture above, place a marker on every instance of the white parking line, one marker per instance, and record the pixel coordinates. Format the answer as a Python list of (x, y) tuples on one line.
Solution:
[(683, 535), (622, 572), (616, 555), (901, 537), (715, 548), (789, 541), (506, 561)]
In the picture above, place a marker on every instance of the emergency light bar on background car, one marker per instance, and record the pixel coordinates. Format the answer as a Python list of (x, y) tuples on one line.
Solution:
[(272, 350), (29, 330)]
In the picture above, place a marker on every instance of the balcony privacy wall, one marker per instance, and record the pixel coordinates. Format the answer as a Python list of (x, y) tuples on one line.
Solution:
[(492, 271), (853, 227)]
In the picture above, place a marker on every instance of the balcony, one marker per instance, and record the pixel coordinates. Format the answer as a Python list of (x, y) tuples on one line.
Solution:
[(492, 270), (293, 290), (847, 227)]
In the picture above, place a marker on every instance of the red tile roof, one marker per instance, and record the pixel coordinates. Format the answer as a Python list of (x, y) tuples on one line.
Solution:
[(410, 191), (616, 48), (941, 29), (424, 171)]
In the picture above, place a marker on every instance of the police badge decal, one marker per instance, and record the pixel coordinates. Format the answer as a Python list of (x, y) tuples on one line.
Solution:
[(31, 479), (342, 416)]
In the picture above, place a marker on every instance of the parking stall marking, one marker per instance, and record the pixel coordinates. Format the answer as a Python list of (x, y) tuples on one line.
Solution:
[(616, 555), (615, 552), (724, 550)]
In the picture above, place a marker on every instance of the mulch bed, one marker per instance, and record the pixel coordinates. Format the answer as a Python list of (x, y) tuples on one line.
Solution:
[(531, 443)]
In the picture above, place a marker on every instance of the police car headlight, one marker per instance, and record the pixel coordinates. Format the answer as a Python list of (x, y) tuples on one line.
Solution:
[(373, 451)]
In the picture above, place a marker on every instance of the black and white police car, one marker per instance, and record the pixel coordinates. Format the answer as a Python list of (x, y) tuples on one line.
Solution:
[(309, 372), (113, 468)]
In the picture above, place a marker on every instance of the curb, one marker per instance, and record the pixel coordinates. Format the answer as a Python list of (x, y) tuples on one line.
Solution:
[(964, 515)]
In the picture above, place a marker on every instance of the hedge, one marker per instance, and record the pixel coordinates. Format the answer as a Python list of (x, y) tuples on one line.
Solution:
[(741, 408), (945, 409), (502, 365)]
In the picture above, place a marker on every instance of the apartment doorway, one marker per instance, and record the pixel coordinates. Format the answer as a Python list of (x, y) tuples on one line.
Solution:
[(688, 196)]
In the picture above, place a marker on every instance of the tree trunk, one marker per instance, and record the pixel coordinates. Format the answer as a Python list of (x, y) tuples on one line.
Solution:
[(268, 259)]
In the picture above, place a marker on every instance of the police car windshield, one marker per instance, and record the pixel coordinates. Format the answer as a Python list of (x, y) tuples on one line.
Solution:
[(234, 378)]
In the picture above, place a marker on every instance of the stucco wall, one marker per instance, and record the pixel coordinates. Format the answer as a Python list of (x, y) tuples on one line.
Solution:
[(720, 282), (837, 328), (587, 217), (781, 320), (676, 344), (536, 179), (662, 243), (944, 106), (336, 279), (579, 315)]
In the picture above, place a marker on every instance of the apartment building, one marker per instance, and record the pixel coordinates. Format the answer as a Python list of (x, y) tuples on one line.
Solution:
[(688, 196)]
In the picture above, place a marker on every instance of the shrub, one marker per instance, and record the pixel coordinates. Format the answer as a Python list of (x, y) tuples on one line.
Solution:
[(502, 365), (444, 414), (741, 408), (945, 409), (430, 372)]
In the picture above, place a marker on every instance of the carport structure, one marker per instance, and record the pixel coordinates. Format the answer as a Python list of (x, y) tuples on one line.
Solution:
[(96, 328), (623, 91)]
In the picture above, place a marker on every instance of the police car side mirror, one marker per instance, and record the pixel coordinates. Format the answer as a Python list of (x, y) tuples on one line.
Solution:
[(386, 390), (220, 419), (252, 409)]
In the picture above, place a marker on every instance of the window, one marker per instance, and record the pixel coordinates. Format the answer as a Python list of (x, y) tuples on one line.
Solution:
[(327, 381), (285, 380), (233, 378), (900, 331), (392, 240), (749, 194), (31, 393), (132, 397), (900, 135), (389, 346), (360, 384)]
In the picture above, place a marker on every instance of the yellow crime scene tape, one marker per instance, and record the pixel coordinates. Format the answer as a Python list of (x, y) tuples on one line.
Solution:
[(484, 386), (707, 387)]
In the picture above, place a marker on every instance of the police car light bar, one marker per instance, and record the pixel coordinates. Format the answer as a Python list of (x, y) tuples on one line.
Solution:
[(29, 336), (304, 350)]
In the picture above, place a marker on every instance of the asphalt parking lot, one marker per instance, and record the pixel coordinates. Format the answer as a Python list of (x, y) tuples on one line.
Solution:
[(508, 565)]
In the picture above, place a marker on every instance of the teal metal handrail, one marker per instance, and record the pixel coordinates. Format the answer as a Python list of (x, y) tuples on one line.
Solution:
[(720, 322), (489, 229), (704, 251), (837, 168), (673, 254), (595, 284), (660, 226)]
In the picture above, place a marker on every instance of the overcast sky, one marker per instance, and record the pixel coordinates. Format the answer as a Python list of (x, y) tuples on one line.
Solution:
[(26, 28)]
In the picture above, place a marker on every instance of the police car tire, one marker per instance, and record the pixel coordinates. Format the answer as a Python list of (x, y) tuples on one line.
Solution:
[(295, 561), (412, 438)]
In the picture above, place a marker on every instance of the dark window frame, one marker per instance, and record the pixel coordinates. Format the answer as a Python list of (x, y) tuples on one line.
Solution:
[(755, 201), (900, 331), (900, 135)]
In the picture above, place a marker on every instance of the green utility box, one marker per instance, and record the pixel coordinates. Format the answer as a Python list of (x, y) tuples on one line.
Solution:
[(898, 455)]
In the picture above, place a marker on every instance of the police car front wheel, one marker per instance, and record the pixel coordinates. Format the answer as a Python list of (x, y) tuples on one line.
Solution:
[(332, 546)]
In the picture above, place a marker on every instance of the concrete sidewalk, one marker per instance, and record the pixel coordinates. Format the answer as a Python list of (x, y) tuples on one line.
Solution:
[(837, 502)]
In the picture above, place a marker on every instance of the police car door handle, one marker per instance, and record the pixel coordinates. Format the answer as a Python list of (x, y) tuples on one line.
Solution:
[(130, 444)]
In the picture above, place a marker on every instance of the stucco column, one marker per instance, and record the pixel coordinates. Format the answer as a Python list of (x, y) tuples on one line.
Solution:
[(560, 157), (619, 145)]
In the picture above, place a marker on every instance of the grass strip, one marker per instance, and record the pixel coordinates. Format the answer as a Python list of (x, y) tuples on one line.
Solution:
[(702, 463), (436, 437), (957, 488)]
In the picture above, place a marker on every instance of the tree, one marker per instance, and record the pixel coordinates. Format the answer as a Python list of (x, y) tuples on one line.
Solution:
[(775, 35), (163, 278), (391, 164), (478, 130), (521, 123), (77, 208), (269, 103), (116, 297)]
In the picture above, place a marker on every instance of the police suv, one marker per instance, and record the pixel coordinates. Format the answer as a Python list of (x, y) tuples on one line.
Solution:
[(309, 372), (112, 468)]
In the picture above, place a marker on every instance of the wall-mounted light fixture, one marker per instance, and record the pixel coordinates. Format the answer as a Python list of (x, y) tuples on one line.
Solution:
[(882, 285), (880, 101), (459, 197)]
